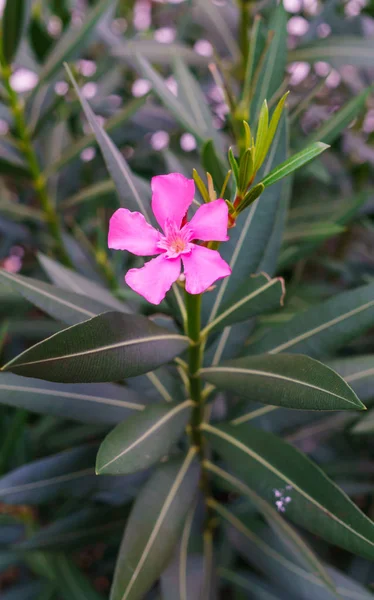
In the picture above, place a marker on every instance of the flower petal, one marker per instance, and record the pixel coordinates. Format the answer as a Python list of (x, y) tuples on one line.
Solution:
[(209, 222), (172, 196), (130, 231), (202, 267), (154, 279)]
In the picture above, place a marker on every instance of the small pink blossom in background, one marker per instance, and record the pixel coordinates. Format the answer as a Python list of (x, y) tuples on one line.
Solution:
[(13, 262), (172, 195)]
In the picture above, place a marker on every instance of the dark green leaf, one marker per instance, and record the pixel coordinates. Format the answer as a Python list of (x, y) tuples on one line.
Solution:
[(258, 295), (39, 481), (71, 280), (97, 403), (142, 439), (65, 306), (131, 190), (167, 97), (294, 162), (289, 380), (212, 165), (109, 347), (154, 527), (324, 327), (77, 529), (267, 463), (72, 583), (14, 22), (335, 125), (71, 41), (301, 552), (272, 72), (337, 51), (157, 52)]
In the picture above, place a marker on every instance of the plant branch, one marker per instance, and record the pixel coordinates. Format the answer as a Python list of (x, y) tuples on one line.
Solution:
[(40, 185)]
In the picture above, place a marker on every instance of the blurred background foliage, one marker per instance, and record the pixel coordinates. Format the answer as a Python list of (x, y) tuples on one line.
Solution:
[(156, 73)]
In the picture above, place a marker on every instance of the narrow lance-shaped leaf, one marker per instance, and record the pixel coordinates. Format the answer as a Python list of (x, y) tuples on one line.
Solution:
[(294, 162), (265, 462), (98, 403), (14, 22), (289, 380), (154, 527), (324, 327), (142, 439), (168, 98), (42, 480), (71, 280), (60, 304), (109, 347), (70, 41), (258, 295), (333, 127), (130, 189), (294, 542), (337, 51)]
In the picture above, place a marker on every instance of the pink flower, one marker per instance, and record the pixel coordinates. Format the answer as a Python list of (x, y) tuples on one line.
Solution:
[(172, 195)]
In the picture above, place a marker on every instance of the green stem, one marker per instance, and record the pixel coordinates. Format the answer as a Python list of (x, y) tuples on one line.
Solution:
[(193, 308), (244, 22), (25, 143), (195, 359)]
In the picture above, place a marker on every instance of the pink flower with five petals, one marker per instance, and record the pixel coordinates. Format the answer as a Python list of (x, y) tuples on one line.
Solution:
[(172, 196)]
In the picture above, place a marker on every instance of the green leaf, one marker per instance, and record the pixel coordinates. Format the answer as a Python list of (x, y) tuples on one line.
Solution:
[(261, 135), (142, 439), (72, 583), (259, 294), (366, 425), (246, 580), (245, 170), (358, 371), (272, 72), (14, 23), (337, 51), (42, 480), (70, 280), (212, 165), (324, 327), (250, 197), (250, 236), (71, 41), (154, 527), (93, 192), (90, 404), (289, 380), (84, 526), (157, 52), (200, 186), (167, 97), (74, 150), (234, 165), (339, 121), (69, 307), (294, 542), (194, 101), (109, 347), (267, 463), (131, 190), (294, 162)]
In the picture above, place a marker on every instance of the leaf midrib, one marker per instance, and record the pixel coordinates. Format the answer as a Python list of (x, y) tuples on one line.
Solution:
[(165, 507), (311, 332), (100, 349), (146, 434), (278, 473), (273, 376)]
